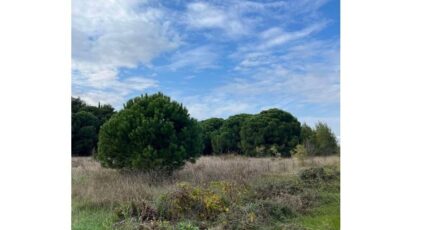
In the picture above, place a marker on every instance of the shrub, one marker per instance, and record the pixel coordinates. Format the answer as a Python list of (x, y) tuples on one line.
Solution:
[(318, 174), (150, 133), (258, 214), (196, 202), (189, 201), (270, 186), (292, 193), (300, 153), (312, 174)]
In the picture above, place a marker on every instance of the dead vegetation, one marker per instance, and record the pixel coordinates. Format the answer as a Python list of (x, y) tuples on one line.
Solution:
[(101, 186)]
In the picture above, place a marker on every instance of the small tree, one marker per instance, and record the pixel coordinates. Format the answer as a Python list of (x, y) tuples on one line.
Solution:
[(308, 140), (325, 139), (299, 153), (150, 133)]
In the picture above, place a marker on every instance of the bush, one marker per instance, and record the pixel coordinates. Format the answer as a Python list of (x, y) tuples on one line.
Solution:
[(269, 133), (318, 174), (300, 153), (191, 202), (150, 133)]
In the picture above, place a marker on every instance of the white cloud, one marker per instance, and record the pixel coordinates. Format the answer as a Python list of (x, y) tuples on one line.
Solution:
[(255, 59), (200, 15), (109, 35), (276, 36), (280, 83), (292, 78), (214, 105), (114, 92), (203, 57), (273, 65)]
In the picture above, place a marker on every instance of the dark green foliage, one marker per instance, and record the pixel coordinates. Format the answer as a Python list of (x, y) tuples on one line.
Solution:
[(102, 112), (271, 132), (306, 133), (77, 105), (150, 133), (84, 137), (209, 128), (84, 132), (227, 138)]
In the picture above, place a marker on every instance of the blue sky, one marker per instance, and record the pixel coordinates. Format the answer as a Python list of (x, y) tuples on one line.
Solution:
[(218, 58)]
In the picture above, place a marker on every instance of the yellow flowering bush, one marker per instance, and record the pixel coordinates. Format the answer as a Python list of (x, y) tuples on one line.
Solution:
[(189, 201)]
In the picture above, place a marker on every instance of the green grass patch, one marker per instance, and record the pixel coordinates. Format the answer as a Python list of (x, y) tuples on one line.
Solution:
[(87, 217), (324, 217)]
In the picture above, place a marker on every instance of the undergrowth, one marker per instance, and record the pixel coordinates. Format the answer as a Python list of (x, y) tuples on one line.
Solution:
[(306, 199)]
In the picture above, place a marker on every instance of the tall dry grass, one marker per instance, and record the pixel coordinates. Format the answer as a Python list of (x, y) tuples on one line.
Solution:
[(100, 186)]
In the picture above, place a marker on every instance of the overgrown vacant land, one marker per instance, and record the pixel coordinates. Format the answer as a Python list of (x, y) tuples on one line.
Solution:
[(216, 192)]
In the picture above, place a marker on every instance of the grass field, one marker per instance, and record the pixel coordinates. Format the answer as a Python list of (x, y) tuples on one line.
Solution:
[(227, 192)]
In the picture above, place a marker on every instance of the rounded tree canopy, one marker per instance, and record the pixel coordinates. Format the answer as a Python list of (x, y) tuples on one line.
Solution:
[(271, 132), (150, 133), (227, 138)]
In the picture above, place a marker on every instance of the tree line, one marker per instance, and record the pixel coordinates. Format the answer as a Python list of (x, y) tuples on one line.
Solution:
[(155, 132), (86, 123), (272, 132)]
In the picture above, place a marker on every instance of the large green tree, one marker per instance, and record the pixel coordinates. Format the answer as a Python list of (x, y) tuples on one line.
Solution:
[(209, 128), (102, 112), (84, 142), (150, 133), (84, 133), (77, 105), (227, 138), (271, 132)]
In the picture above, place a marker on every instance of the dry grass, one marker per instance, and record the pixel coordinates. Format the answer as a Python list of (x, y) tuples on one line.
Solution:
[(96, 185)]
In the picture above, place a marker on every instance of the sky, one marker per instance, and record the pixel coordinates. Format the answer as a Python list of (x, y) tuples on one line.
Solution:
[(218, 58)]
